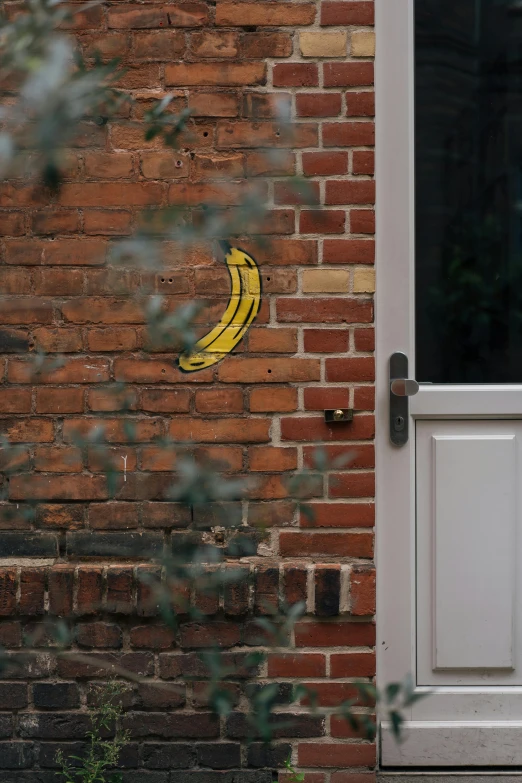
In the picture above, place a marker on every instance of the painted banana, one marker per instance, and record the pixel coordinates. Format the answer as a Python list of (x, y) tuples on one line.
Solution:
[(245, 299)]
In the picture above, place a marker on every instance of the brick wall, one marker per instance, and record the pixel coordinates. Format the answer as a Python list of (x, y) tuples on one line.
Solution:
[(260, 410)]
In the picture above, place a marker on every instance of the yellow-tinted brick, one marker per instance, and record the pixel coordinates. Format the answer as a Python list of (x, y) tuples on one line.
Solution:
[(364, 281), (323, 44), (327, 281), (363, 44)]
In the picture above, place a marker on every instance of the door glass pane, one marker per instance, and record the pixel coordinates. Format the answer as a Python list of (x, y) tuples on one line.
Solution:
[(468, 124)]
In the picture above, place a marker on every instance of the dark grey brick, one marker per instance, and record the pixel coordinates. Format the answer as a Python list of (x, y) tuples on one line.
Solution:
[(13, 695), (260, 754), (191, 726), (6, 726), (219, 755), (56, 696), (238, 776), (30, 666), (84, 544), (23, 544), (65, 725), (286, 725), (139, 776), (16, 755), (168, 755)]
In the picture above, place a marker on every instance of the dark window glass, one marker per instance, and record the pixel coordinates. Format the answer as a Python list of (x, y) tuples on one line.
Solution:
[(468, 124)]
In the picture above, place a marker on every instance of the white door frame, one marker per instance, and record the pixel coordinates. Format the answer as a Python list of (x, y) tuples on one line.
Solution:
[(394, 332), (457, 726)]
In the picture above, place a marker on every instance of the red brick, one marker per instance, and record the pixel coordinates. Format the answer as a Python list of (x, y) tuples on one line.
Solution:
[(348, 134), (324, 164), (364, 398), (50, 459), (273, 370), (165, 400), (322, 221), (247, 134), (339, 515), (349, 251), (7, 591), (113, 516), (28, 430), (12, 224), (219, 400), (283, 252), (347, 74), (74, 370), (334, 634), (220, 430), (359, 456), (318, 104), (12, 282), (362, 590), (152, 637), (159, 45), (351, 485), (56, 222), (317, 399), (356, 369), (215, 44), (59, 400), (68, 487), (111, 194), (332, 754), (266, 400), (360, 104), (363, 162), (61, 585), (295, 75), (15, 400), (336, 13), (352, 664), (362, 221), (108, 165), (207, 104), (350, 192), (313, 428), (32, 591), (99, 635), (107, 222), (263, 14), (191, 14), (326, 544), (90, 590), (25, 310), (296, 665), (326, 341), (334, 310), (261, 163), (272, 340), (120, 430), (119, 589), (272, 459), (364, 340), (215, 74), (258, 46)]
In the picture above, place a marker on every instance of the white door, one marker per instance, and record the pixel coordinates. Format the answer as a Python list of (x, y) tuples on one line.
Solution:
[(449, 282)]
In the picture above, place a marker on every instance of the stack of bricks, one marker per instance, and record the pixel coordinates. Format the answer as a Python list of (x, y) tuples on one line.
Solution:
[(260, 410)]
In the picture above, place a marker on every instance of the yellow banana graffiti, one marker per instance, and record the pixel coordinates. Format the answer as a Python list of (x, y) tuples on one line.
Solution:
[(243, 306)]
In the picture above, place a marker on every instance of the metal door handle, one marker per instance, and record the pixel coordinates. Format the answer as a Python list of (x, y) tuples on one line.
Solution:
[(401, 387), (404, 387)]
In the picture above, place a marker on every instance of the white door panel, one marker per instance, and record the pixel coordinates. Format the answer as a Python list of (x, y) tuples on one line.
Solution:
[(467, 519)]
